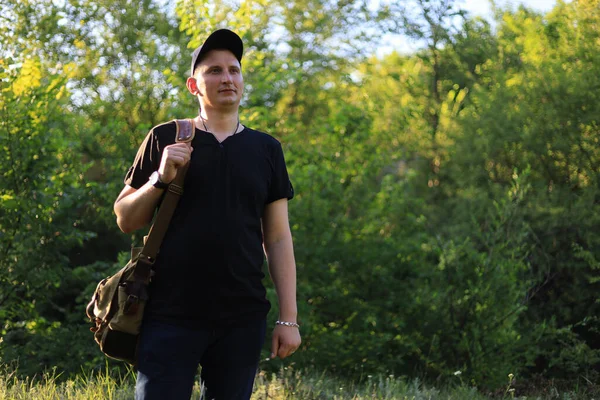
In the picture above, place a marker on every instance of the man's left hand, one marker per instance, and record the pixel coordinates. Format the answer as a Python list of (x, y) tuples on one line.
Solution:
[(285, 341)]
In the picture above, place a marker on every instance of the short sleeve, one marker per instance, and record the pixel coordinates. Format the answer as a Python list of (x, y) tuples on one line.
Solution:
[(281, 186), (147, 160)]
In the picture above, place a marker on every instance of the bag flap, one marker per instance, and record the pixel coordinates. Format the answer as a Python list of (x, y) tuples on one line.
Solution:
[(105, 293)]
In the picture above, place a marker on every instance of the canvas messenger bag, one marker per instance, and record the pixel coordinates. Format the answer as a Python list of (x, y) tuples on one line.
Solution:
[(117, 305)]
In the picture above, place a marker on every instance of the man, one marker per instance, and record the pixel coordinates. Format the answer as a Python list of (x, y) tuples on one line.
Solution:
[(207, 302)]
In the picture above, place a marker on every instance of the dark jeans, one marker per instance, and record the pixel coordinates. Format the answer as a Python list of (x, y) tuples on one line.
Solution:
[(168, 358)]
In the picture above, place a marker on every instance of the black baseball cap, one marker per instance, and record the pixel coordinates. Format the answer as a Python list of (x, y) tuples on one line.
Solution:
[(222, 39)]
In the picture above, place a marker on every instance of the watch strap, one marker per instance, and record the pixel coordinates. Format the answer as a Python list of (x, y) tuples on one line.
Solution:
[(158, 183)]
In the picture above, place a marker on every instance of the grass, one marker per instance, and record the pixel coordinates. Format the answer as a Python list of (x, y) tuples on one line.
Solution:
[(292, 385), (288, 384)]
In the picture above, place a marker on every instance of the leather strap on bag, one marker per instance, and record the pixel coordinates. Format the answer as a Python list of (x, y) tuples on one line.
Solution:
[(184, 134)]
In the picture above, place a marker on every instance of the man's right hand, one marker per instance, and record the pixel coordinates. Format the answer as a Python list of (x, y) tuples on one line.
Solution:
[(174, 156)]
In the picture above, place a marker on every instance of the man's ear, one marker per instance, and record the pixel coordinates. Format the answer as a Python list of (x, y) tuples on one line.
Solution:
[(192, 86)]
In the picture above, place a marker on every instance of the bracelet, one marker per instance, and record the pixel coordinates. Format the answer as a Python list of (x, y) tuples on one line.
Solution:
[(285, 323)]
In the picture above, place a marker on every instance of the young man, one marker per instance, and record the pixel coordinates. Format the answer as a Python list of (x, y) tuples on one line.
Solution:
[(207, 302)]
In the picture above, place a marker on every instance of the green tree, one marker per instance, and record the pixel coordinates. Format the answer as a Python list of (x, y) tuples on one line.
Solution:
[(534, 110), (40, 195)]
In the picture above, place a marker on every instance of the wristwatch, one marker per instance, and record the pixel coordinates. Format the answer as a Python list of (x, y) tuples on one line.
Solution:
[(156, 182)]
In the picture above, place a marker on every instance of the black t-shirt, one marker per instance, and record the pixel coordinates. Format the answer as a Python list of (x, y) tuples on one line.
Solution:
[(209, 268)]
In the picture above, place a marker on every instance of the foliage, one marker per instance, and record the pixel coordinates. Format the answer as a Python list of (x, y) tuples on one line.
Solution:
[(538, 116), (41, 198), (446, 209)]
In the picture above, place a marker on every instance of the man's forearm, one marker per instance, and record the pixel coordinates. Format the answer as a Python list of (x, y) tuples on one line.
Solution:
[(135, 210), (282, 267)]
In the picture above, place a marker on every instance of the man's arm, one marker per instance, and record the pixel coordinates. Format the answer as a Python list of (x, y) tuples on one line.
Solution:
[(135, 207), (279, 250)]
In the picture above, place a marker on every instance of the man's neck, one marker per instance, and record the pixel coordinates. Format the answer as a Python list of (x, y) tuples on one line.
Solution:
[(219, 124)]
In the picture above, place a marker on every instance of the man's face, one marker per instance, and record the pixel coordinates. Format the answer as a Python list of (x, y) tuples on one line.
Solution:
[(219, 79)]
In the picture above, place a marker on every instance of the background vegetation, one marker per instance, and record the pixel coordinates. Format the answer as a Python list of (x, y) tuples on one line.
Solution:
[(447, 215)]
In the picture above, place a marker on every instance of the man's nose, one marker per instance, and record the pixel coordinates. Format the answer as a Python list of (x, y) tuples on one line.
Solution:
[(226, 77)]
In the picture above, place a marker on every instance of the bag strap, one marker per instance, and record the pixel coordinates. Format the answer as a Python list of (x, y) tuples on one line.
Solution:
[(184, 134)]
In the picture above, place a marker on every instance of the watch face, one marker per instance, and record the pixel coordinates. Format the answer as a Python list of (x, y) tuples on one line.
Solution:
[(154, 178), (155, 181)]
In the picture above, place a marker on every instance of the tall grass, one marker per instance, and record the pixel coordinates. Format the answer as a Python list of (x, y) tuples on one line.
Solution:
[(288, 384), (292, 385), (50, 387)]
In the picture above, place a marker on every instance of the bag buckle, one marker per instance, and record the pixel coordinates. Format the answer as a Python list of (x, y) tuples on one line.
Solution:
[(173, 188), (131, 304), (147, 259)]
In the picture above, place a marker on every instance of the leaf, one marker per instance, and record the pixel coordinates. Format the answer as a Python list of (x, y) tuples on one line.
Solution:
[(8, 202)]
